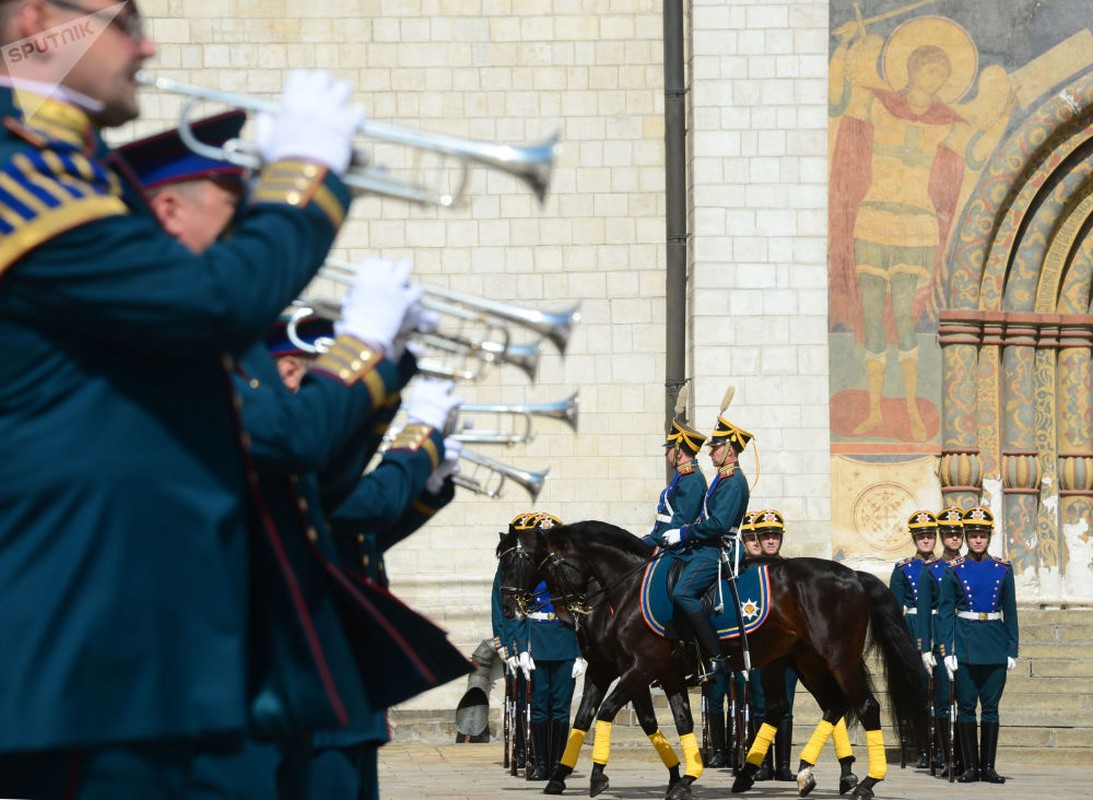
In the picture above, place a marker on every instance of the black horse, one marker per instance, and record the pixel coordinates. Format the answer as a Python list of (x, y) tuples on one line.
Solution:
[(820, 615)]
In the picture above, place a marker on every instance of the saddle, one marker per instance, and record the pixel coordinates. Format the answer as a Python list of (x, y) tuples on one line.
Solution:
[(752, 586)]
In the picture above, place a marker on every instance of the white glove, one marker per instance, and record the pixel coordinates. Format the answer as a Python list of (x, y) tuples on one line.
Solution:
[(1011, 662), (449, 466), (417, 320), (929, 661), (313, 122), (377, 302), (526, 664), (432, 403), (671, 538), (513, 664), (951, 666), (579, 667)]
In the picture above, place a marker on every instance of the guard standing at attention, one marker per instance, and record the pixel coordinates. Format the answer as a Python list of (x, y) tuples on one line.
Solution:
[(907, 576), (978, 637), (681, 500), (552, 652), (722, 512), (950, 529)]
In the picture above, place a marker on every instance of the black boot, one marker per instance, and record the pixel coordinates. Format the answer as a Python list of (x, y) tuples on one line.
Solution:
[(988, 732), (519, 749), (540, 751), (923, 761), (717, 741), (943, 753), (708, 642), (559, 737), (783, 744), (970, 747)]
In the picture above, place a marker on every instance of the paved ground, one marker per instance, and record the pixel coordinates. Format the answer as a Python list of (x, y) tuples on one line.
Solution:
[(473, 772)]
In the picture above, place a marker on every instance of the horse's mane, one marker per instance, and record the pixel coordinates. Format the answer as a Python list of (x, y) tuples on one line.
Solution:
[(593, 530)]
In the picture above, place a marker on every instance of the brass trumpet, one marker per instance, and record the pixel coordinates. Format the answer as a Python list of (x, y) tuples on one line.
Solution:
[(531, 164), (555, 326), (521, 415), (489, 476)]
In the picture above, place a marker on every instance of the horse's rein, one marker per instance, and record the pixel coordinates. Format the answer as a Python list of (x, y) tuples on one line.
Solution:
[(584, 605)]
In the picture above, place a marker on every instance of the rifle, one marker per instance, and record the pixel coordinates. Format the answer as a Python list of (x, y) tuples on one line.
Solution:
[(705, 726), (745, 724), (529, 746), (734, 729), (510, 703), (952, 732), (933, 727)]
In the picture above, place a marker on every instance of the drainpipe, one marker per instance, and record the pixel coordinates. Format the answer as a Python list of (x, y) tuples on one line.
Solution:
[(675, 183)]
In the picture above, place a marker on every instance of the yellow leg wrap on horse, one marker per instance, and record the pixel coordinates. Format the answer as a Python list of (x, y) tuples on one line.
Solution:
[(811, 753), (660, 744), (601, 748), (761, 744), (573, 747), (842, 739), (691, 755), (878, 764)]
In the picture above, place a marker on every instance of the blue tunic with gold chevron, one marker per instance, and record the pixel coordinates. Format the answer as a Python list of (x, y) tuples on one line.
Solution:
[(904, 582), (123, 490)]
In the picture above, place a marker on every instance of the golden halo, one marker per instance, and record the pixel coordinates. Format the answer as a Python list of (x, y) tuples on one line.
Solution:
[(938, 31)]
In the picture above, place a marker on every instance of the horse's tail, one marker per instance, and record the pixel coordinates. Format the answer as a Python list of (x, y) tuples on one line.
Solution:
[(903, 671)]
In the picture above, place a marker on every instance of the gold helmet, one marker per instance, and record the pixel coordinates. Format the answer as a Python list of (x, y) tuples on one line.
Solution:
[(725, 432)]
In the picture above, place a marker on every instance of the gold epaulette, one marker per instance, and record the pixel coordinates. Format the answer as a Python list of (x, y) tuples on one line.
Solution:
[(350, 360), (415, 437), (903, 562), (686, 469), (956, 562), (727, 471), (298, 183), (49, 196), (1001, 561)]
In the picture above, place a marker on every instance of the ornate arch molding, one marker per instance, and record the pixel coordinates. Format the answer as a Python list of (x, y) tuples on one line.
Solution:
[(1016, 335)]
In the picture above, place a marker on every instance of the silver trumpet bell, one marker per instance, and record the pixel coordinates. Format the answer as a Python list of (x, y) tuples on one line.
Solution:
[(555, 326), (520, 415), (531, 164), (488, 477)]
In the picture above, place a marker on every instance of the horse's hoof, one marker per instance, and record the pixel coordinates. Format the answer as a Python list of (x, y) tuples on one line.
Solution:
[(862, 792), (847, 782), (681, 790), (745, 780), (597, 784), (806, 782)]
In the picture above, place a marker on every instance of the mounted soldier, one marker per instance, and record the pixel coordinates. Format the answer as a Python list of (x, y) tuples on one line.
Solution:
[(700, 543)]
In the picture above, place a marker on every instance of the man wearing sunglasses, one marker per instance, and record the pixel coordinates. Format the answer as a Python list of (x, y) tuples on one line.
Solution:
[(125, 549)]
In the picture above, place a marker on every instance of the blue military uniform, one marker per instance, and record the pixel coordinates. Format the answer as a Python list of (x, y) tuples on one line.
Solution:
[(929, 596), (681, 500), (506, 631), (977, 623), (553, 648), (700, 542), (907, 575), (117, 338)]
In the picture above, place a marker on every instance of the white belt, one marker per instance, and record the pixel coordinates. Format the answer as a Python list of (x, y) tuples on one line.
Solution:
[(979, 616), (545, 615), (910, 611), (664, 518)]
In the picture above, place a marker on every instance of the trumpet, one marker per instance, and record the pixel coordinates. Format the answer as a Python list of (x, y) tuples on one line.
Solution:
[(532, 164), (520, 431), (554, 326), (488, 477), (477, 354)]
